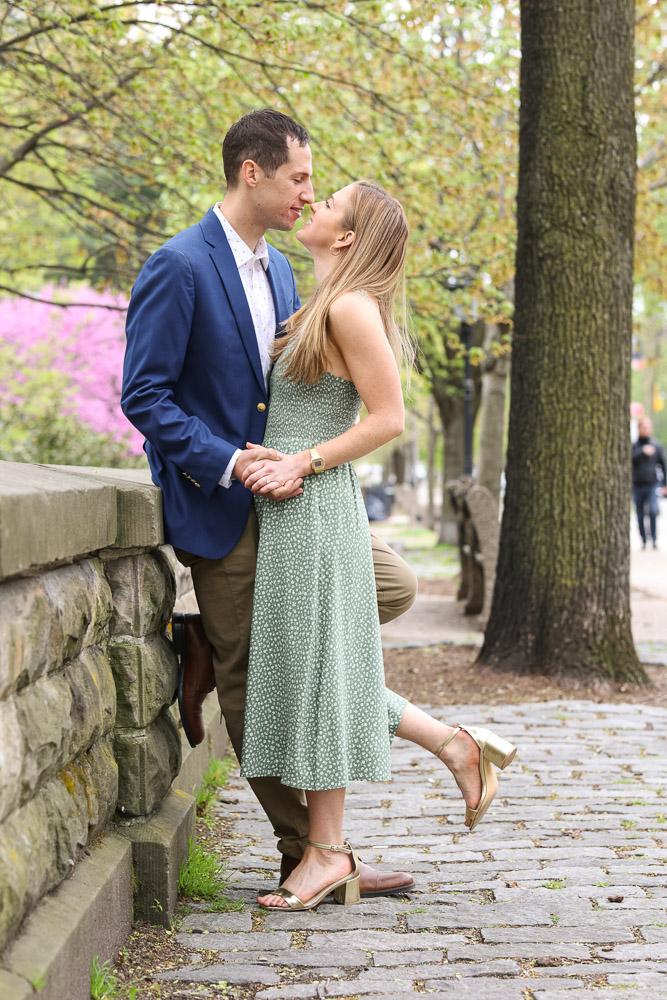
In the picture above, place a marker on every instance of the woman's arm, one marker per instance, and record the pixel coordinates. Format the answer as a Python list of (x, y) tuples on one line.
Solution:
[(358, 334)]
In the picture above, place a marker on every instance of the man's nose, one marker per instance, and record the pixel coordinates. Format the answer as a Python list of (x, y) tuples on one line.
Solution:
[(308, 194)]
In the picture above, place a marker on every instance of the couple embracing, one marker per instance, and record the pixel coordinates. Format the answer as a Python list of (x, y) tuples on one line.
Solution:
[(249, 404)]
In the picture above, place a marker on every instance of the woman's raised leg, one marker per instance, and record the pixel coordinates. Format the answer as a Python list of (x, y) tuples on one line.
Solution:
[(470, 756)]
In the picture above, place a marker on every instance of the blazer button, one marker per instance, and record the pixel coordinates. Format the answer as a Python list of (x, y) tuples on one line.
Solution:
[(261, 407)]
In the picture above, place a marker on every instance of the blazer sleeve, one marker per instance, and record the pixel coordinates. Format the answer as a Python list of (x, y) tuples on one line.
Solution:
[(158, 331)]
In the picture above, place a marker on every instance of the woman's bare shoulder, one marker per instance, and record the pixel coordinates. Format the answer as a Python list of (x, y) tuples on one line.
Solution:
[(356, 305)]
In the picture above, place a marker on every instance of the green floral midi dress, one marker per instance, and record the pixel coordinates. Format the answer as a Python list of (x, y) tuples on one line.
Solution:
[(318, 714)]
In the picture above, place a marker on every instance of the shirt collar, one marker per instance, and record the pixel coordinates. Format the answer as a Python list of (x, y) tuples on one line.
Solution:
[(240, 249)]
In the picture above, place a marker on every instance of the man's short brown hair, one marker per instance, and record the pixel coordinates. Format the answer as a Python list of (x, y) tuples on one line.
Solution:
[(260, 136)]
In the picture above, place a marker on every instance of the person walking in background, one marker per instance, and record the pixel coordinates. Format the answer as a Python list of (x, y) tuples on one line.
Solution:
[(647, 456)]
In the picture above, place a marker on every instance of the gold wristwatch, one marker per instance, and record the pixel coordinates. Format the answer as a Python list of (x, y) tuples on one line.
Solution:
[(317, 463)]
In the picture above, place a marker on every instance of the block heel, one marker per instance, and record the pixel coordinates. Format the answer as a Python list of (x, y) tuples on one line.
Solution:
[(348, 893)]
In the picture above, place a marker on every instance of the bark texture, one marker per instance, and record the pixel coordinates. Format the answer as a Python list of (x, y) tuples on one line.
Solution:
[(561, 600), (448, 395), (492, 416)]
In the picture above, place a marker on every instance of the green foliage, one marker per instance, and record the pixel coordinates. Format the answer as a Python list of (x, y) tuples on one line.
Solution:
[(115, 112), (35, 425), (216, 777), (202, 878)]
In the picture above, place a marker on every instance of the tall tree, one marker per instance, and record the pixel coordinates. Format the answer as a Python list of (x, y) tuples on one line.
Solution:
[(561, 601), (495, 370)]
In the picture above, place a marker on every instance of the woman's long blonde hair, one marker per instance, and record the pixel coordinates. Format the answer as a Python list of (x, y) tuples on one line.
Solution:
[(374, 263)]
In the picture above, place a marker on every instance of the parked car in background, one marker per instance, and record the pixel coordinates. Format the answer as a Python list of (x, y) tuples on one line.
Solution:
[(379, 501)]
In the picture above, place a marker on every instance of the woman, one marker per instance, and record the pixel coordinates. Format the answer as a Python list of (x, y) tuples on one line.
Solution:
[(317, 712)]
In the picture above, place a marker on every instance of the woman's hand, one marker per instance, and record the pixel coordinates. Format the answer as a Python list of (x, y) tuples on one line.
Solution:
[(284, 475)]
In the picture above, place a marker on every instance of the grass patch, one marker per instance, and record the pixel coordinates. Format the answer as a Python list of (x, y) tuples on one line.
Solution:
[(555, 883), (202, 878), (216, 777), (104, 985)]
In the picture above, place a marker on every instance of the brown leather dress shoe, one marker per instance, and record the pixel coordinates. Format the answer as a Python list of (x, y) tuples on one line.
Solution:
[(371, 883), (196, 678)]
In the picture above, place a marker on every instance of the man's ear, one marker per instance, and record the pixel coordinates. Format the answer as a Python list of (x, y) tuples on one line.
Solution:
[(344, 240), (250, 172)]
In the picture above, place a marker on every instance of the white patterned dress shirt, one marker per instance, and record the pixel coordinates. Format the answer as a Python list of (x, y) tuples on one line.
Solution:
[(252, 267)]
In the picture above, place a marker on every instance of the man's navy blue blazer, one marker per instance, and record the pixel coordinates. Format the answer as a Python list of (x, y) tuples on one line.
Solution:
[(193, 383)]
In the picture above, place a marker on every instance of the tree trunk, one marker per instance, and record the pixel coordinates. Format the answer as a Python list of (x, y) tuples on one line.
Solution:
[(492, 417), (561, 600), (430, 462), (448, 395)]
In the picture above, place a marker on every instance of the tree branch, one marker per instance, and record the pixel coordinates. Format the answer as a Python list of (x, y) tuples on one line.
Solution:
[(62, 305), (27, 147)]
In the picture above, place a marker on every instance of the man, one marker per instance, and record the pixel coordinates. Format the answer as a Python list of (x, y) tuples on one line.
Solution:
[(201, 321), (647, 455)]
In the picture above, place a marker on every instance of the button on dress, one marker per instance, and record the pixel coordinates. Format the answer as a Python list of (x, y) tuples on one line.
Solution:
[(318, 714)]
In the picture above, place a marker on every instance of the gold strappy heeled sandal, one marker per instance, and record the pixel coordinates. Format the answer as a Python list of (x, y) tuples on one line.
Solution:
[(345, 890), (493, 749)]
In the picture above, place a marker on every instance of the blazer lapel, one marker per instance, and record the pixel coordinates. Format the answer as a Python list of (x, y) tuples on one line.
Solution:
[(225, 265), (281, 302)]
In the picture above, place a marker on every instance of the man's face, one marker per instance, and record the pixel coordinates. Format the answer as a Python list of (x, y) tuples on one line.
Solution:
[(280, 199), (644, 428)]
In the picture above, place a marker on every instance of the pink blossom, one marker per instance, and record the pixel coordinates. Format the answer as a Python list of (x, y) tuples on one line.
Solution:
[(85, 343)]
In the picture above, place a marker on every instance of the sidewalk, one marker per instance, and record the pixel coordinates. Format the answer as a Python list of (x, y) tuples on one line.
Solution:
[(434, 619), (561, 891)]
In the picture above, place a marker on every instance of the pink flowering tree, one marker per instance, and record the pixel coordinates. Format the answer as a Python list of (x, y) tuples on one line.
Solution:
[(60, 380)]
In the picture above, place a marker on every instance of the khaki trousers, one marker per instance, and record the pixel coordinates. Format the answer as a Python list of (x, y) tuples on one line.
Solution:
[(224, 590)]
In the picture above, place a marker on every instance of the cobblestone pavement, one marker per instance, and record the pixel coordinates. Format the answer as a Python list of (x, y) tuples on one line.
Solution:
[(561, 891)]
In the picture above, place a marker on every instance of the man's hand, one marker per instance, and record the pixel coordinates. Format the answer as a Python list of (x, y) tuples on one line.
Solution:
[(648, 449), (252, 454)]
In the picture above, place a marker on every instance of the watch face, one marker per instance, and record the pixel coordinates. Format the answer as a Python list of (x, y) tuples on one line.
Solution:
[(318, 464)]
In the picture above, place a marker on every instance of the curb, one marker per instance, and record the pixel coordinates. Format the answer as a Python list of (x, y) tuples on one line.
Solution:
[(88, 914), (159, 847), (91, 913)]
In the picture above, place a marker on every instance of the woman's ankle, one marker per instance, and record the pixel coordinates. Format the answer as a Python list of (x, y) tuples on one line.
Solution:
[(325, 859)]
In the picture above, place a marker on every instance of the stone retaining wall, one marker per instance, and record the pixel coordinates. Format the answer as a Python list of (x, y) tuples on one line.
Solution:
[(58, 775), (89, 745)]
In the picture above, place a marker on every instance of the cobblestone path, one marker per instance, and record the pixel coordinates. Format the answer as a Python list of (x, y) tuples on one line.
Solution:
[(561, 892)]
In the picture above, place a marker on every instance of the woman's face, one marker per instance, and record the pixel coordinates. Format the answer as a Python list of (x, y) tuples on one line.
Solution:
[(326, 224)]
